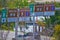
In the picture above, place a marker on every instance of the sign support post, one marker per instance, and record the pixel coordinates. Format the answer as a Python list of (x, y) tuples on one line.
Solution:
[(33, 26), (16, 30), (1, 27), (16, 25), (32, 11)]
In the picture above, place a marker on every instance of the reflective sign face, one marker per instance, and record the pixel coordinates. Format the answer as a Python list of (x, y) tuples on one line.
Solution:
[(39, 13), (4, 12), (49, 10), (12, 13), (25, 19), (50, 13), (44, 9), (21, 19), (3, 15), (12, 19), (52, 8), (31, 6), (31, 9), (39, 8), (49, 7), (27, 13), (24, 12)]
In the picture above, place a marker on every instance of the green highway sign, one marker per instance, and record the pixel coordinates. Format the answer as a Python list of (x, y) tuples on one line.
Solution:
[(31, 6), (4, 12)]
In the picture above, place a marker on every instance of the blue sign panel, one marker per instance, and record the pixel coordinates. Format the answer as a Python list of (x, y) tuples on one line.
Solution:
[(50, 13), (3, 20), (24, 19), (21, 19), (39, 13), (27, 13), (27, 19), (12, 19), (52, 8), (31, 9)]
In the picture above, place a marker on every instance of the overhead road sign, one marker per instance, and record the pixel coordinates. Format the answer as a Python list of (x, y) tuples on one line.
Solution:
[(39, 9), (12, 15), (24, 12), (49, 9)]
